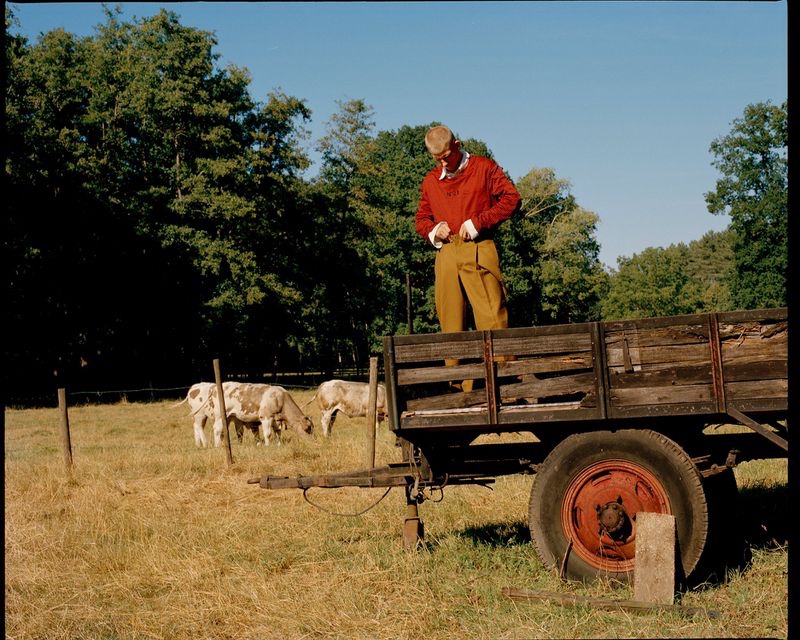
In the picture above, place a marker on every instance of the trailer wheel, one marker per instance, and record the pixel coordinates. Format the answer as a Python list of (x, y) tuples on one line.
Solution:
[(587, 492)]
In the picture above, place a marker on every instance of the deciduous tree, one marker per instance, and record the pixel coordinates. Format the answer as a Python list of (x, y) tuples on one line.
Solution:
[(753, 190), (153, 203), (652, 283), (549, 255)]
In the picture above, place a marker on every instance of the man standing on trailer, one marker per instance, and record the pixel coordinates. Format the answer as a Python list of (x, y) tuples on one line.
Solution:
[(462, 201)]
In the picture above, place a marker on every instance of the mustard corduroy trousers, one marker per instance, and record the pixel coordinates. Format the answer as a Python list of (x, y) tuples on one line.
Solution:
[(471, 269)]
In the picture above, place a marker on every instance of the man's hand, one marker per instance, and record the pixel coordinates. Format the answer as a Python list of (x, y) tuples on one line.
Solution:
[(443, 232), (467, 230)]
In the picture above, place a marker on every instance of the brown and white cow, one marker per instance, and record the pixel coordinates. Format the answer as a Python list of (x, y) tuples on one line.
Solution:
[(270, 405), (201, 411), (351, 398)]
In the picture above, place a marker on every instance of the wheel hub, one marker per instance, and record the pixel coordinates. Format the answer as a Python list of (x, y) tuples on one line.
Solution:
[(599, 510), (613, 519)]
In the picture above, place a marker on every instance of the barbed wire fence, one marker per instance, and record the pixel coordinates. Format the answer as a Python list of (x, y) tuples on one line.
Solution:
[(141, 393)]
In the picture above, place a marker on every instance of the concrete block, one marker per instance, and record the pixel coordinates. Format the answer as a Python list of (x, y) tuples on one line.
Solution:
[(654, 569)]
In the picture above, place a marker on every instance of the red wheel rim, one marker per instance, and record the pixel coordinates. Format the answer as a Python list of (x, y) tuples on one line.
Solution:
[(631, 486)]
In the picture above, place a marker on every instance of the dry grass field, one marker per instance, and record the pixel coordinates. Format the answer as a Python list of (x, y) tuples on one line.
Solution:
[(153, 538)]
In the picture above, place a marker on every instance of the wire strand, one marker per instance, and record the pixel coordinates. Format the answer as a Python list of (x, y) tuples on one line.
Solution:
[(346, 515)]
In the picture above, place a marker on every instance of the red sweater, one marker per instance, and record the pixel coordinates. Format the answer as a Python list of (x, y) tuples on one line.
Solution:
[(481, 192)]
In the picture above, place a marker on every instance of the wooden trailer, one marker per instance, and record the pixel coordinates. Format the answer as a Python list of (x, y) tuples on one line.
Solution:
[(621, 417)]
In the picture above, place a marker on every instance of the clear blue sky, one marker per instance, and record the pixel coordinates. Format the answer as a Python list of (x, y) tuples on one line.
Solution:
[(620, 98)]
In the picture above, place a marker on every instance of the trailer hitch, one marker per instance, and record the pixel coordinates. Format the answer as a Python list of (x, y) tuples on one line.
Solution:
[(393, 475), (415, 478)]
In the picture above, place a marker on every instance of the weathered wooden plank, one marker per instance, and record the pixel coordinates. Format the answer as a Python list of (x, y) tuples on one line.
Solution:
[(757, 389), (770, 330), (749, 349), (655, 323), (762, 316), (590, 399), (545, 387), (453, 420), (392, 476), (427, 352), (539, 413), (550, 364), (660, 336), (545, 364), (661, 395), (649, 410), (436, 338), (509, 417), (476, 400), (454, 400), (656, 366), (755, 369), (664, 376), (761, 330), (543, 330), (662, 354), (422, 375), (755, 405), (535, 345)]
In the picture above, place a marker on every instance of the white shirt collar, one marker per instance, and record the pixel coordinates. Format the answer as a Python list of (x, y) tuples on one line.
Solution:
[(461, 166)]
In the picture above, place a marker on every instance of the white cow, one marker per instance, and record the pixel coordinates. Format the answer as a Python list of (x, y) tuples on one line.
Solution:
[(351, 398), (201, 411), (270, 405)]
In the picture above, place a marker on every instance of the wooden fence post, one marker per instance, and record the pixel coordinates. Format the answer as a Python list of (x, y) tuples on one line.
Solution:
[(223, 414), (66, 442), (371, 410)]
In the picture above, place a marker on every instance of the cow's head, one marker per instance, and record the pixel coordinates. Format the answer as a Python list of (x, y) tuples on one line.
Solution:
[(309, 424)]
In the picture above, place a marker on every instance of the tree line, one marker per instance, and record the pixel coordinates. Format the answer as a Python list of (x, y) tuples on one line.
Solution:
[(157, 216)]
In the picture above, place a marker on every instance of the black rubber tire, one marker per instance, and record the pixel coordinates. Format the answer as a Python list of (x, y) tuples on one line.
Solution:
[(675, 476)]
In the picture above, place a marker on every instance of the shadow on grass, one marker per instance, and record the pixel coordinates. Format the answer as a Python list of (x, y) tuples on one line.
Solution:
[(759, 519), (498, 534), (763, 514)]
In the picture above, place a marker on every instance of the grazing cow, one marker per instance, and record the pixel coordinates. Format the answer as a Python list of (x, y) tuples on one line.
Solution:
[(351, 398), (197, 399), (270, 405), (255, 429)]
